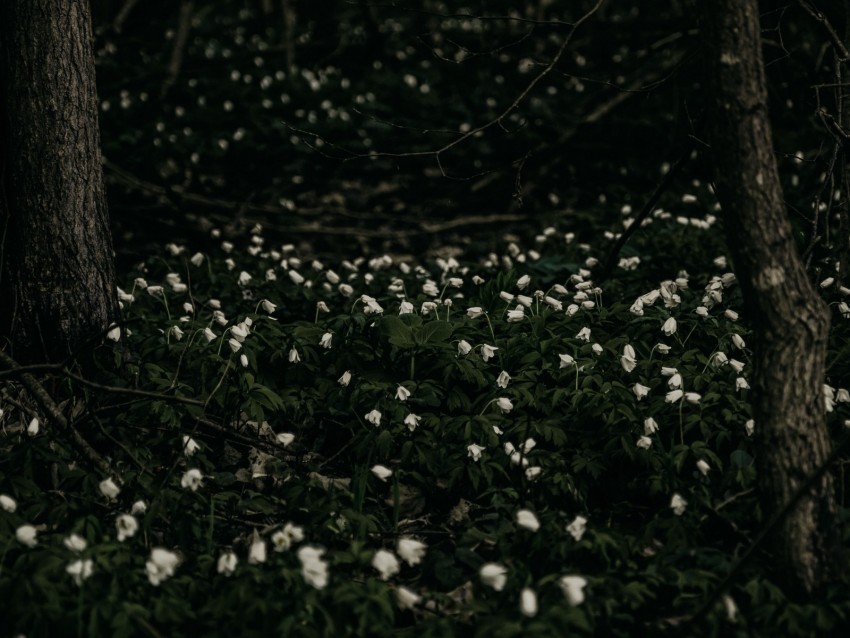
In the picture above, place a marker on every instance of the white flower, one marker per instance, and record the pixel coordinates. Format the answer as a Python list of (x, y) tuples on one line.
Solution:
[(566, 361), (80, 570), (210, 335), (294, 357), (411, 550), (741, 384), (235, 346), (405, 308), (385, 563), (738, 341), (474, 451), (702, 311), (139, 507), (75, 543), (32, 428), (374, 417), (573, 588), (494, 575), (503, 379), (345, 379), (257, 551), (474, 312), (640, 390), (736, 365), (644, 443), (161, 565), (192, 479), (577, 528), (522, 282), (718, 359), (177, 332), (750, 427), (675, 381), (673, 396), (326, 340), (126, 525), (411, 421), (227, 563), (296, 277), (528, 602), (597, 349), (190, 446), (516, 315), (553, 303), (402, 393), (313, 568), (285, 438), (669, 327), (663, 348), (109, 489), (197, 259), (488, 352), (383, 473), (114, 333), (628, 360), (463, 347), (693, 397), (649, 426), (284, 538), (678, 504), (244, 278), (26, 535), (8, 504), (268, 306), (505, 404), (703, 467), (527, 519), (731, 314), (405, 598), (155, 290), (584, 335)]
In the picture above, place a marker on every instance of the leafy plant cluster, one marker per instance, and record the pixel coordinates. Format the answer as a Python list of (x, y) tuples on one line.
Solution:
[(487, 444)]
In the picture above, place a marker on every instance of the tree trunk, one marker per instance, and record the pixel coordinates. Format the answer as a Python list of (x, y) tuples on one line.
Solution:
[(790, 321), (58, 278)]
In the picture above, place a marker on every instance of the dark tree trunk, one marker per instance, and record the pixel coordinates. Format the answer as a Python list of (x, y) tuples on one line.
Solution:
[(58, 278), (790, 321)]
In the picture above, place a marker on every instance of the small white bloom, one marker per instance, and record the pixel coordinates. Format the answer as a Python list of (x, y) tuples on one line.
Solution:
[(411, 550), (527, 519), (8, 504), (33, 427), (294, 357), (531, 473), (75, 543), (285, 438), (494, 575), (402, 393), (528, 602), (326, 340), (383, 473), (731, 314), (673, 396), (474, 312), (566, 361), (702, 311), (663, 348), (474, 451), (678, 504), (345, 379), (268, 306), (584, 334), (573, 588), (649, 426), (243, 360), (161, 565), (750, 427), (109, 489), (405, 598), (693, 397), (675, 381), (640, 390), (374, 417), (227, 563), (234, 344), (114, 333), (669, 327), (577, 528), (522, 282), (597, 349), (210, 335), (244, 278), (405, 308), (738, 341), (26, 535), (503, 379), (257, 552), (385, 563), (192, 479), (505, 404), (703, 467), (628, 360), (126, 525), (296, 277), (190, 446), (644, 443), (412, 421), (313, 568), (516, 315), (463, 347), (741, 384), (488, 352), (80, 570), (139, 507)]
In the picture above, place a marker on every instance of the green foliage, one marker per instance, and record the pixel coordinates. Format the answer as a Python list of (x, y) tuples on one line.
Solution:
[(326, 419)]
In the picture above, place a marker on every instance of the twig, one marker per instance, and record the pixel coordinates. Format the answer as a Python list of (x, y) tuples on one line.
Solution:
[(837, 43), (52, 410), (121, 18), (179, 49)]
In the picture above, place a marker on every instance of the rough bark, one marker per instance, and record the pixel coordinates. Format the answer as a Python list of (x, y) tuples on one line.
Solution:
[(790, 321), (58, 279)]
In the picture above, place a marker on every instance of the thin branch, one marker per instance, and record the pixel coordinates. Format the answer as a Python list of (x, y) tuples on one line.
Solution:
[(55, 414), (121, 18), (837, 43), (179, 50)]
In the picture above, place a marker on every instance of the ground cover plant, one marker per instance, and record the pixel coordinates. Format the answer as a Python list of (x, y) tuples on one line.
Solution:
[(491, 444)]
